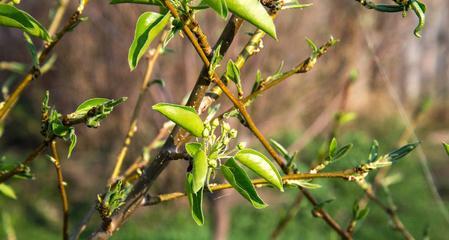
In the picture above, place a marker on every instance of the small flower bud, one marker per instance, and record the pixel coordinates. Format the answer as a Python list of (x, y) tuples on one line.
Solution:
[(226, 126), (206, 132), (241, 145), (215, 122), (233, 133), (213, 163)]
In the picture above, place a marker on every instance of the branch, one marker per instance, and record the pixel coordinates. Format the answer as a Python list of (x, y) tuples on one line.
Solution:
[(344, 175), (161, 160), (61, 185)]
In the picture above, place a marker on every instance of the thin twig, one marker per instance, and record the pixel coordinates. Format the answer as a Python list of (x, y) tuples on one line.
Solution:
[(344, 175), (22, 166), (61, 186), (57, 18)]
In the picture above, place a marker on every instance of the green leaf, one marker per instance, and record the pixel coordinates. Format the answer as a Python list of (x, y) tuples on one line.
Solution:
[(219, 6), (280, 149), (192, 148), (332, 148), (233, 74), (73, 140), (199, 170), (149, 2), (359, 214), (373, 152), (401, 152), (292, 4), (253, 12), (261, 165), (11, 16), (312, 45), (215, 61), (184, 116), (240, 181), (195, 201), (446, 148), (7, 191), (342, 151), (419, 8), (303, 183), (148, 26), (32, 49), (87, 105)]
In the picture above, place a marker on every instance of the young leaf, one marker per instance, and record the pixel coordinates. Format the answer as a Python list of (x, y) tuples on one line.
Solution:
[(192, 148), (195, 201), (148, 26), (374, 152), (280, 149), (303, 183), (240, 181), (420, 9), (7, 191), (85, 106), (185, 117), (401, 152), (261, 165), (342, 151), (219, 6), (73, 140), (332, 148), (11, 16), (215, 61), (149, 2), (199, 171), (233, 74), (291, 4), (253, 12), (446, 148), (32, 49)]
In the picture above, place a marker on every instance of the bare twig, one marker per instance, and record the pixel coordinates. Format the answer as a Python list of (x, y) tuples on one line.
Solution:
[(61, 185), (344, 175)]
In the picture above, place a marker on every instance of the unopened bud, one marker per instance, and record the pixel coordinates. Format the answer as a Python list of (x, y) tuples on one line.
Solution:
[(233, 133), (241, 145), (215, 122), (226, 126), (213, 163), (206, 132)]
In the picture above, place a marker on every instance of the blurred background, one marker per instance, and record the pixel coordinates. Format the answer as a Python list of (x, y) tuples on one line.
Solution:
[(397, 74)]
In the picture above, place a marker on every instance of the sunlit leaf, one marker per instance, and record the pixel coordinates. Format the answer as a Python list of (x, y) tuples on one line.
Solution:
[(148, 26), (11, 16), (199, 171), (195, 201), (253, 12), (240, 181), (219, 6), (193, 148), (261, 165), (7, 191), (87, 105), (185, 117)]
